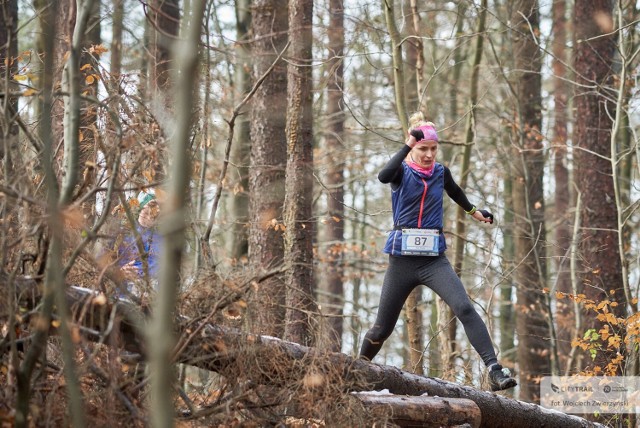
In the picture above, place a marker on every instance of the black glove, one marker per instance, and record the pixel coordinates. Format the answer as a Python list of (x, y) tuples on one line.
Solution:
[(487, 214), (417, 134)]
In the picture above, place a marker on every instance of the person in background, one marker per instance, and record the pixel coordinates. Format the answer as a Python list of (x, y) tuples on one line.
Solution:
[(130, 259), (416, 246)]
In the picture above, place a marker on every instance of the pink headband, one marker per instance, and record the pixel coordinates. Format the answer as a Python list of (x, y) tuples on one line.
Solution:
[(428, 132)]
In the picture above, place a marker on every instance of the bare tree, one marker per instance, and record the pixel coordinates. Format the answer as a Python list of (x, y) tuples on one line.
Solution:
[(562, 194), (334, 278), (268, 162), (242, 147), (601, 275), (174, 225), (469, 137), (8, 67), (164, 17), (533, 316), (164, 25), (413, 90), (298, 213)]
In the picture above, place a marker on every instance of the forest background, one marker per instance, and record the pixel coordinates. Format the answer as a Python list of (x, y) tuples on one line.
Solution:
[(262, 124)]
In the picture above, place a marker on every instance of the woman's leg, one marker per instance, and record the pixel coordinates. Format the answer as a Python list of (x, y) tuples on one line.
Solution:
[(399, 280), (441, 278)]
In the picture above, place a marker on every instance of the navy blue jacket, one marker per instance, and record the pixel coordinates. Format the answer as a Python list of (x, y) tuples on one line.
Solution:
[(417, 200)]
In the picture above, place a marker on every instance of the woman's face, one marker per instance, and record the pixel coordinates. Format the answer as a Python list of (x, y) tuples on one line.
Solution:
[(149, 214), (424, 154)]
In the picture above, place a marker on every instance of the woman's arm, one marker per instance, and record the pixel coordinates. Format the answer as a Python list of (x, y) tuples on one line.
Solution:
[(455, 192), (392, 171)]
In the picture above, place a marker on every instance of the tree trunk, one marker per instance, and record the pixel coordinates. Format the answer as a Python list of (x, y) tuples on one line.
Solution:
[(78, 122), (453, 78), (422, 411), (333, 283), (117, 28), (565, 317), (533, 317), (165, 21), (413, 313), (601, 276), (8, 67), (174, 223), (398, 67), (414, 58), (164, 16), (469, 137), (63, 22), (268, 161), (298, 201), (89, 66), (242, 147), (507, 314)]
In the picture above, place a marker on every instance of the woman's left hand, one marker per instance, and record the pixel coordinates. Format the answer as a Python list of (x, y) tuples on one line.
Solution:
[(483, 215), (411, 141)]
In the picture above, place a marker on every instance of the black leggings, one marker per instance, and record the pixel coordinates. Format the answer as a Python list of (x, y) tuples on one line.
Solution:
[(406, 273)]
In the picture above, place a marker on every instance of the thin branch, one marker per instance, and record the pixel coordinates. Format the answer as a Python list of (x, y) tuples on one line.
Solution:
[(231, 122)]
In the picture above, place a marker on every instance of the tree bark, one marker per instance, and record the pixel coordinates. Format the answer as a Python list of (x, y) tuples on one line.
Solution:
[(533, 316), (164, 26), (334, 302), (565, 318), (298, 212), (423, 411), (165, 22), (90, 68), (601, 276), (398, 67), (174, 222), (63, 22), (8, 67), (413, 313), (242, 147), (414, 51), (268, 162), (469, 137)]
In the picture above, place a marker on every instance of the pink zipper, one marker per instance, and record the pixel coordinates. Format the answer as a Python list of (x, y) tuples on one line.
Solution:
[(424, 195)]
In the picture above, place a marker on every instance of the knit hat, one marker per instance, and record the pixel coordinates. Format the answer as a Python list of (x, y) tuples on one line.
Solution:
[(145, 197), (425, 133)]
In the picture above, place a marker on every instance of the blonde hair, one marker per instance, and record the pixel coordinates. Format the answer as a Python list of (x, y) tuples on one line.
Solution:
[(417, 119)]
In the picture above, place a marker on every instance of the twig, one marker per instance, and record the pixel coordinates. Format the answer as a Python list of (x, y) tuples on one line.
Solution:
[(223, 173)]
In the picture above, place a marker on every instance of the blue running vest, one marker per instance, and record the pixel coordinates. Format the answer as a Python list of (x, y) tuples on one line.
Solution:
[(417, 203)]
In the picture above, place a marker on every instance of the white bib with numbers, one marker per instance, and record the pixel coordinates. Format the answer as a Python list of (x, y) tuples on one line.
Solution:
[(420, 242)]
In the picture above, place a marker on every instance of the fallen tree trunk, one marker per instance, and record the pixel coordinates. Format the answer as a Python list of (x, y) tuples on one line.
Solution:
[(422, 411), (290, 362), (280, 363)]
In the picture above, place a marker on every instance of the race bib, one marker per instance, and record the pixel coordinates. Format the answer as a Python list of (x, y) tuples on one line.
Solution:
[(420, 242)]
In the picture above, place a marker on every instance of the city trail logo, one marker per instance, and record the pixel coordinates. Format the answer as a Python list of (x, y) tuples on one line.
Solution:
[(571, 388), (590, 394)]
